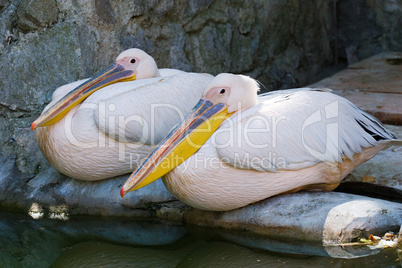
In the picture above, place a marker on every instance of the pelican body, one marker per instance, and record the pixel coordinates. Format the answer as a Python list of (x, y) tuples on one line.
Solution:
[(102, 127), (235, 148)]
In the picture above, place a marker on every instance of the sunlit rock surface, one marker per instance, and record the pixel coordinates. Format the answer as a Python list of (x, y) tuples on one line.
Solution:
[(330, 218)]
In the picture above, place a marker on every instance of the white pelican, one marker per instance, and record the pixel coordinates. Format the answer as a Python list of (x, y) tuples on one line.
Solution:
[(94, 136), (235, 148)]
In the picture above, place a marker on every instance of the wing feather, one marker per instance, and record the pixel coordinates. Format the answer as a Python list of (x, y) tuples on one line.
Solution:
[(294, 129), (145, 110)]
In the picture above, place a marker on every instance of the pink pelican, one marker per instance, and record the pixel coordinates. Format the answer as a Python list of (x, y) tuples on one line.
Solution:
[(236, 148), (102, 127)]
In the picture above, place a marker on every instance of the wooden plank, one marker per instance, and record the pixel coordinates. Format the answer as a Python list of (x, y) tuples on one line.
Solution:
[(373, 84), (380, 73), (387, 107)]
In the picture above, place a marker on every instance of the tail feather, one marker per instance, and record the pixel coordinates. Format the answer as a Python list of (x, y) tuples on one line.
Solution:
[(389, 143)]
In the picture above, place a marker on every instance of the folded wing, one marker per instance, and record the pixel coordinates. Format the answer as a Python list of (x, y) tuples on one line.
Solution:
[(294, 129)]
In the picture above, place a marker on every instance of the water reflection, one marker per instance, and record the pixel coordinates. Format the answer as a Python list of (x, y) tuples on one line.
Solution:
[(96, 242), (199, 253), (25, 242), (223, 254), (101, 254), (288, 247)]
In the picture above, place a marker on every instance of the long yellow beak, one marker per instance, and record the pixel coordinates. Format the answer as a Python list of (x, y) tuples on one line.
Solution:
[(182, 142), (115, 73)]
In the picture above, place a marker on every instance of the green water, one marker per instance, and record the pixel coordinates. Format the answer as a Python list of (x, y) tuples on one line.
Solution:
[(120, 242)]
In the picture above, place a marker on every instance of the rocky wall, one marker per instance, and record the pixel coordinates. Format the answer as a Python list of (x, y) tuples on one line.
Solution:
[(367, 27)]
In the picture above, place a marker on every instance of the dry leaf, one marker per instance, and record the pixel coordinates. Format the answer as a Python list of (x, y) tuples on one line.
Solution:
[(367, 178)]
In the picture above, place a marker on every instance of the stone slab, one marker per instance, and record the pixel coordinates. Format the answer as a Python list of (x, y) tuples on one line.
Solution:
[(50, 193), (324, 217)]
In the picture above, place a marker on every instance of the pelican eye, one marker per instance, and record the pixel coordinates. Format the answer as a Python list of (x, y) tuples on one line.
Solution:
[(222, 91), (132, 61)]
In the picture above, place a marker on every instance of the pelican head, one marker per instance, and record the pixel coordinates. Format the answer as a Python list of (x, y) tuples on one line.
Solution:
[(225, 95), (142, 64), (130, 65)]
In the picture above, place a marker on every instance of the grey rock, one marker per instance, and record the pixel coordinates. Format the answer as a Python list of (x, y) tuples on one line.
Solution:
[(49, 192), (384, 169), (172, 211), (104, 11), (328, 218), (8, 20), (33, 14), (3, 3), (30, 72), (368, 27)]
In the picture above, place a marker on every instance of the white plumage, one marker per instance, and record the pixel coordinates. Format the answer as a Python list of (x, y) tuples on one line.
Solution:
[(114, 128), (284, 141)]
